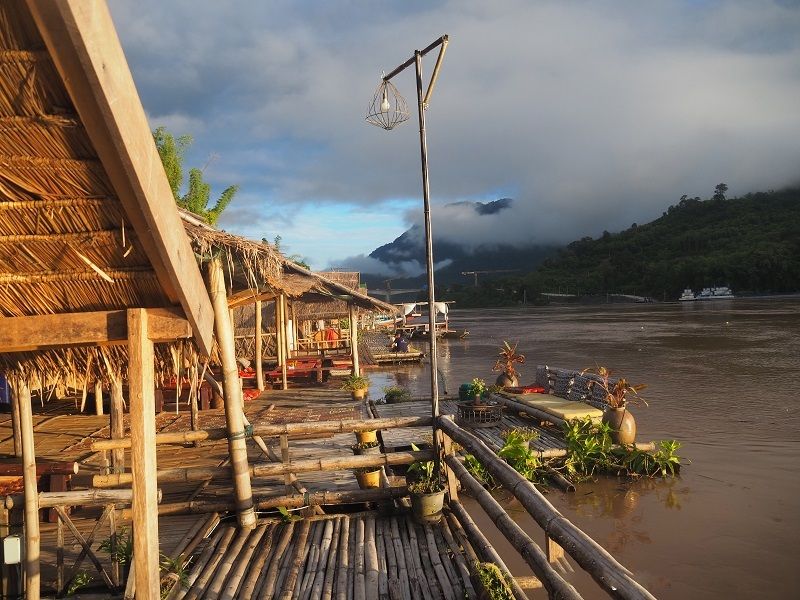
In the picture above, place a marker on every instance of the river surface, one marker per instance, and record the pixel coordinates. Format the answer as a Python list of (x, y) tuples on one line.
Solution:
[(723, 379)]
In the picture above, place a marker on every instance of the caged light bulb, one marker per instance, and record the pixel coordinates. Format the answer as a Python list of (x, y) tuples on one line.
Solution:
[(385, 106)]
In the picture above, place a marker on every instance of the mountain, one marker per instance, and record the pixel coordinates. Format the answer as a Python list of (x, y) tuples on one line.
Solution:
[(750, 243), (407, 252)]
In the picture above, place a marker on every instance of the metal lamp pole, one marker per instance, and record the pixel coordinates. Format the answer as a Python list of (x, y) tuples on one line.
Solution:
[(422, 103)]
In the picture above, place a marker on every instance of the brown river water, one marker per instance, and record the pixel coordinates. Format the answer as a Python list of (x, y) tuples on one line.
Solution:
[(722, 379)]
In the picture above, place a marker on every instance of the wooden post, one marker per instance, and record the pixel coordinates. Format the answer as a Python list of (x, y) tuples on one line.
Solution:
[(141, 382), (15, 427), (278, 331), (284, 343), (354, 338), (98, 397), (22, 397), (116, 415), (259, 349), (234, 415)]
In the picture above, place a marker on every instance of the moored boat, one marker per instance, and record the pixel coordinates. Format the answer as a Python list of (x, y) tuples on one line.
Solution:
[(722, 292)]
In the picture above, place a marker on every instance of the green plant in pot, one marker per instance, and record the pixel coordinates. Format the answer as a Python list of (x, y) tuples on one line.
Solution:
[(426, 489), (506, 359), (393, 394), (372, 447), (617, 396), (357, 385), (476, 391)]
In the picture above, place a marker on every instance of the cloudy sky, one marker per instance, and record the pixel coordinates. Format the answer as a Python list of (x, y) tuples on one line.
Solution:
[(591, 115)]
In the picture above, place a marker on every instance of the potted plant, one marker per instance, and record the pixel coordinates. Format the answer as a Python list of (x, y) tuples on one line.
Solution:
[(474, 411), (507, 358), (476, 390), (368, 477), (426, 490), (357, 385), (366, 448), (617, 395), (393, 394)]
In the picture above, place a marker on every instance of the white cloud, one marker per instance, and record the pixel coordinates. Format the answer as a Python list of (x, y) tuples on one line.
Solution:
[(596, 114)]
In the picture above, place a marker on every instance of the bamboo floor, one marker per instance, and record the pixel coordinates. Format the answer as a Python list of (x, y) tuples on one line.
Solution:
[(401, 439), (363, 556), (61, 435)]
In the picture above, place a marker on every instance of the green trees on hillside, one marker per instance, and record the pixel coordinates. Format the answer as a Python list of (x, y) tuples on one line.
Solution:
[(751, 243), (198, 194)]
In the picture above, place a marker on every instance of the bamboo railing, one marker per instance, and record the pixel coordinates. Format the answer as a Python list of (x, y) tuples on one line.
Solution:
[(614, 578)]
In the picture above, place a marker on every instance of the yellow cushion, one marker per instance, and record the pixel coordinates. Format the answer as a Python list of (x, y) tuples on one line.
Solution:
[(558, 407)]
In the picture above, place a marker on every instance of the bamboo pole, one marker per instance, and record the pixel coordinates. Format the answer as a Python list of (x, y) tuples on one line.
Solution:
[(528, 549), (295, 561), (256, 567), (117, 425), (321, 498), (278, 331), (73, 498), (614, 578), (16, 427), (234, 414), (199, 587), (483, 547), (354, 338), (184, 474), (22, 397), (259, 349), (267, 585), (179, 592), (214, 588), (284, 343), (143, 455), (317, 428), (98, 397), (341, 574)]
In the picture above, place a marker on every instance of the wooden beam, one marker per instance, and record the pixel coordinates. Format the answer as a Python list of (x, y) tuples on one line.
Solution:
[(22, 396), (23, 334), (141, 385), (249, 296), (83, 44)]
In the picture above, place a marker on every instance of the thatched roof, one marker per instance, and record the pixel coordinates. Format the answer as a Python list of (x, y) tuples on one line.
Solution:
[(87, 219), (72, 238), (257, 269)]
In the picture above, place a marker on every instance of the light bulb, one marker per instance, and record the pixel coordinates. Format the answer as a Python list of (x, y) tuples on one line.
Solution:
[(385, 106)]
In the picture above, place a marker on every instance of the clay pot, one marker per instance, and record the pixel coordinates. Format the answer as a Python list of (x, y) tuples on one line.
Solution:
[(359, 394), (622, 424), (506, 380), (427, 508)]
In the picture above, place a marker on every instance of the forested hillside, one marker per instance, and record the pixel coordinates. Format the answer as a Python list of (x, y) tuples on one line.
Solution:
[(751, 243)]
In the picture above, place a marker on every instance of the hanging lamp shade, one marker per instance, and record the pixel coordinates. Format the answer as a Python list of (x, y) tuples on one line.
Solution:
[(387, 108)]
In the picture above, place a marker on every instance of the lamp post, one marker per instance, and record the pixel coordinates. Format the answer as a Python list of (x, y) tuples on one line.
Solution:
[(387, 110)]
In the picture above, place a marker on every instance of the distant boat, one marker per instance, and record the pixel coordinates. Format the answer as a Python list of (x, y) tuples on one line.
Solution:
[(421, 330), (722, 292)]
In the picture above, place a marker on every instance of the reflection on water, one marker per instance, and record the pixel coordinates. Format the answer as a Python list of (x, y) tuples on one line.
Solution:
[(721, 379)]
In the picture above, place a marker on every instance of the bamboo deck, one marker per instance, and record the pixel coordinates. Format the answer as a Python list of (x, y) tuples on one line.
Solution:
[(67, 437), (549, 439), (342, 556)]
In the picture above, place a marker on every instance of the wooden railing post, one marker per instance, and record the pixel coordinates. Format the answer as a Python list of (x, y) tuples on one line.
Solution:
[(22, 397), (285, 460), (141, 383)]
